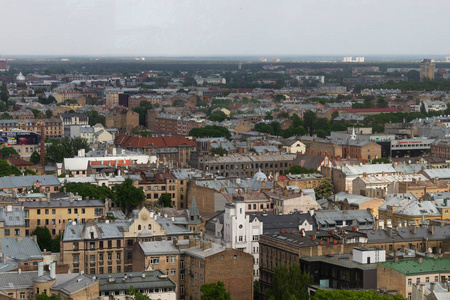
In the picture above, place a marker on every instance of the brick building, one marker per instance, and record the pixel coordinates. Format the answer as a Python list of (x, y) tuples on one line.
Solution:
[(195, 262), (168, 148), (122, 119)]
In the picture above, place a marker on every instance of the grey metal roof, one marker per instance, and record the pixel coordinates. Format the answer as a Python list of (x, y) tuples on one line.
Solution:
[(274, 223), (8, 182), (330, 217), (14, 217), (152, 280), (71, 283), (159, 247), (20, 248), (171, 228), (63, 203), (13, 281), (102, 230), (405, 234)]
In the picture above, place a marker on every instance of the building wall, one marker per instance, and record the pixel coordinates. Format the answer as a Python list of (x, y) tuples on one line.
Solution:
[(55, 218)]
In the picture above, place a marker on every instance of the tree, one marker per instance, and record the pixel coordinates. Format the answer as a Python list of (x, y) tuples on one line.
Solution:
[(94, 118), (214, 291), (35, 157), (219, 151), (85, 189), (128, 196), (352, 295), (300, 170), (47, 297), (289, 283), (381, 160), (165, 200), (279, 98), (325, 188), (217, 116), (137, 295), (210, 131), (44, 238), (66, 147), (48, 113), (7, 169), (7, 151), (308, 119)]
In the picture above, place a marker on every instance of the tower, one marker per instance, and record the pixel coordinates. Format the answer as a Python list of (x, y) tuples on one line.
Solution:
[(427, 67)]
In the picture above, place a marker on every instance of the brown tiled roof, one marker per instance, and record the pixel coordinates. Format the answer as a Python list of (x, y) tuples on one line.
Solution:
[(18, 162)]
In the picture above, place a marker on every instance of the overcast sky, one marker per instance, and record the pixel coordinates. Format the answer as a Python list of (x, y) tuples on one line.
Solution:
[(225, 27)]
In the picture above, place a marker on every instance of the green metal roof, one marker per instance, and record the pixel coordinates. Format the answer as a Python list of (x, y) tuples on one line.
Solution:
[(412, 266)]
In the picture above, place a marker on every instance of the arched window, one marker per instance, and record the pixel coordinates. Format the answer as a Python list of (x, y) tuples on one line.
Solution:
[(149, 226), (139, 227)]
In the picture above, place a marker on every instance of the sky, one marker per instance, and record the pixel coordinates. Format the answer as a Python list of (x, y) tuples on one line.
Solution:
[(223, 28)]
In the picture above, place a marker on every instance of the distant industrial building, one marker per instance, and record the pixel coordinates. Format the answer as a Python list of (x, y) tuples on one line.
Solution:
[(427, 67)]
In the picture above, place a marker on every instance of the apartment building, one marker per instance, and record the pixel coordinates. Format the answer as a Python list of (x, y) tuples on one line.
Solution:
[(97, 248), (19, 184), (194, 262), (168, 148), (55, 214), (402, 274), (53, 127)]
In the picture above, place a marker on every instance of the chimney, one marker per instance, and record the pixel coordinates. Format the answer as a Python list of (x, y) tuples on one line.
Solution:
[(389, 231), (432, 286), (40, 268), (52, 269), (48, 196), (412, 228), (42, 161), (71, 197), (431, 229), (420, 260)]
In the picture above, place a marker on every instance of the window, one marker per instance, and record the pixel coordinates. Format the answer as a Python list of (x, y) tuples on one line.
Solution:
[(7, 232), (46, 211), (109, 256), (46, 222), (173, 259), (182, 290), (427, 279), (255, 237), (173, 272), (149, 226), (154, 260), (98, 212), (417, 280), (53, 222), (53, 211), (100, 257), (409, 282), (75, 210), (69, 211), (240, 238), (92, 245), (38, 212), (109, 244), (436, 278), (139, 227), (118, 256), (181, 276), (22, 295), (83, 210), (110, 270)]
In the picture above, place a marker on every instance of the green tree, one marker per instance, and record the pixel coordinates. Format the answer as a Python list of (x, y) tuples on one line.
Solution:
[(210, 131), (44, 238), (301, 170), (29, 172), (217, 116), (381, 160), (7, 169), (85, 189), (165, 200), (137, 295), (279, 98), (128, 196), (35, 157), (95, 117), (7, 151), (353, 295), (325, 188), (289, 283), (47, 297), (48, 113), (5, 116), (214, 291), (66, 147), (308, 119), (219, 151)]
